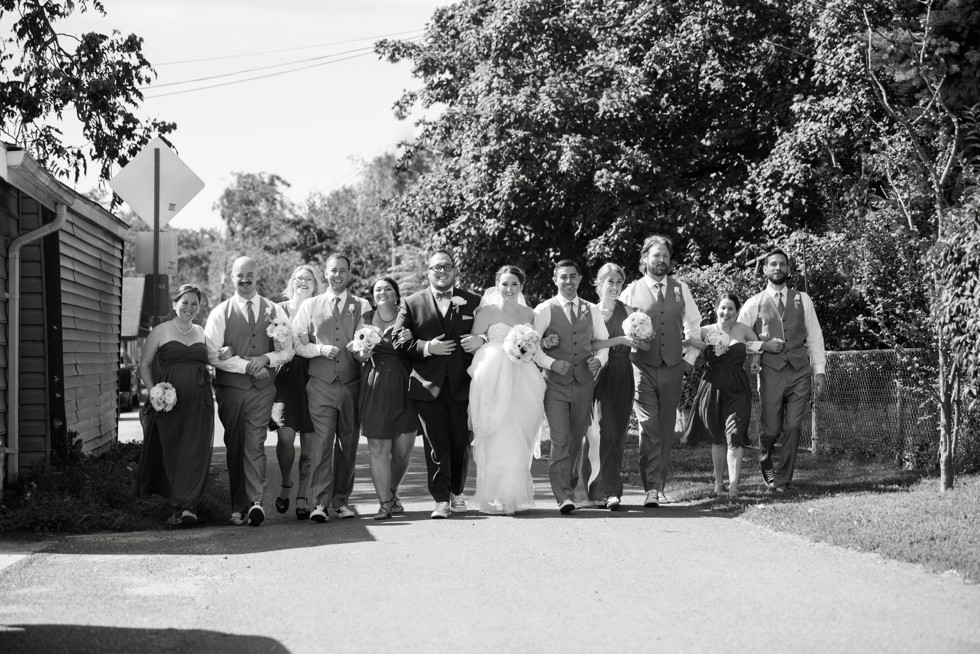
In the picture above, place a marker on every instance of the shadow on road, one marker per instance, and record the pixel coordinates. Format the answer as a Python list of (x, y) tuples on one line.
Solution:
[(62, 638)]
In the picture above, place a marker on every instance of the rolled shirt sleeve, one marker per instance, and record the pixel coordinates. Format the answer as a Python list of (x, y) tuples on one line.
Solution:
[(692, 322)]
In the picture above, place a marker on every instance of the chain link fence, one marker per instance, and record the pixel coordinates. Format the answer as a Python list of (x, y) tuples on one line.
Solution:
[(870, 407)]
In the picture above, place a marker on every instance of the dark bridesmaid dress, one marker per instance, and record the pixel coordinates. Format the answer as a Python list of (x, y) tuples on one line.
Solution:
[(723, 403), (177, 444), (613, 404)]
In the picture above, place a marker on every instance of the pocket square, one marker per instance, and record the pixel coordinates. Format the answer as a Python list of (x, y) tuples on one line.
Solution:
[(467, 317)]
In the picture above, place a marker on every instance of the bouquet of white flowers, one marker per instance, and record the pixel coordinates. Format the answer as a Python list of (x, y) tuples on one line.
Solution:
[(719, 340), (365, 338), (163, 397), (280, 330), (522, 343), (638, 326)]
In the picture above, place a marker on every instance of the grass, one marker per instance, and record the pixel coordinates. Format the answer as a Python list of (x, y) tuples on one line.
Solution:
[(93, 494)]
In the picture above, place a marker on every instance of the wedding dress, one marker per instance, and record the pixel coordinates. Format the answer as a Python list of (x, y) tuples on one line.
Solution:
[(506, 410)]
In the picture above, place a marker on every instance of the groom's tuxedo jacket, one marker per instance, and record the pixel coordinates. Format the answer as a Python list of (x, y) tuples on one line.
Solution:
[(432, 374)]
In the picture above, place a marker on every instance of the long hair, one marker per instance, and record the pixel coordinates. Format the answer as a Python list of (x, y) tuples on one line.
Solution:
[(656, 239), (290, 289)]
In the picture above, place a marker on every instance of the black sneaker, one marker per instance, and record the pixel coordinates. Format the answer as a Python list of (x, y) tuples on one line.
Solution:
[(768, 475), (255, 515)]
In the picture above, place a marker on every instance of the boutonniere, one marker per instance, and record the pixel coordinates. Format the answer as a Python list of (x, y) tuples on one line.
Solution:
[(677, 293), (350, 310), (458, 301), (797, 301), (268, 313)]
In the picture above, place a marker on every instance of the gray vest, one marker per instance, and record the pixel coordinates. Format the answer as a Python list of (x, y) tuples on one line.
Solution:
[(668, 323), (574, 342), (329, 331), (246, 342), (791, 328)]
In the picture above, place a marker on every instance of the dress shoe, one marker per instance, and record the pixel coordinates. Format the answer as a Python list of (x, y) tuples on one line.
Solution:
[(566, 506), (319, 514), (188, 517), (458, 503), (613, 504), (652, 499), (344, 511), (236, 519), (442, 510), (256, 515)]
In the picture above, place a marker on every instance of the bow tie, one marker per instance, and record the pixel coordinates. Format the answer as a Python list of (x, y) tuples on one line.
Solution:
[(444, 295)]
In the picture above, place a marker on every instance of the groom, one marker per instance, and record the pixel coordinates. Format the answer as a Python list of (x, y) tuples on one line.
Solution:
[(440, 350)]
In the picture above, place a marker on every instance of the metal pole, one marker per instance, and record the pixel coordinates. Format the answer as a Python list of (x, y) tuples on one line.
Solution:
[(156, 236)]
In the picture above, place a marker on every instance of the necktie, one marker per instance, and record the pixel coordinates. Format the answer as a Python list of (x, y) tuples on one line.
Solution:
[(660, 293), (336, 308), (251, 314), (570, 310), (779, 304)]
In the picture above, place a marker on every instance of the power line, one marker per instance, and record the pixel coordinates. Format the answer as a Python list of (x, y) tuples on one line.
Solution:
[(265, 52)]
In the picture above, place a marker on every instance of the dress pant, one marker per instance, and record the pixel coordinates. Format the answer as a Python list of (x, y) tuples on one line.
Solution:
[(446, 435), (783, 397), (568, 408), (333, 445), (657, 393), (244, 414)]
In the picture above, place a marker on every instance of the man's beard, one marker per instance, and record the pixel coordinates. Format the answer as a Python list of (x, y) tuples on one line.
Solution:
[(778, 278)]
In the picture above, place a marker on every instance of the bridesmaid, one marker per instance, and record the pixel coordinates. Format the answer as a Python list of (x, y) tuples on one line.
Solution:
[(388, 417), (177, 444), (291, 411), (613, 389), (723, 402)]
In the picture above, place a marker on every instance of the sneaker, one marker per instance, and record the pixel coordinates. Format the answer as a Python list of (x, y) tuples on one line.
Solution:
[(768, 475), (586, 504), (441, 511), (665, 498), (256, 515), (613, 504), (237, 519), (344, 511), (458, 503), (188, 517), (652, 499), (566, 506), (319, 514)]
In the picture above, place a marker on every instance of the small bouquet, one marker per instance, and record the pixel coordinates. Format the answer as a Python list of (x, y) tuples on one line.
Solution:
[(638, 326), (719, 340), (163, 397), (280, 330), (522, 343), (279, 413), (365, 339)]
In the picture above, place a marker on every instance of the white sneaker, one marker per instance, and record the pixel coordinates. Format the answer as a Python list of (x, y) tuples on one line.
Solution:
[(344, 511), (613, 503), (652, 499), (458, 503), (256, 514), (442, 510), (665, 498), (319, 514), (566, 506), (237, 519)]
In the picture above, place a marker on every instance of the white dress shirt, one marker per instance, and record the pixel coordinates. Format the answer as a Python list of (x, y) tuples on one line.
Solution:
[(304, 317), (542, 318), (814, 335), (692, 316)]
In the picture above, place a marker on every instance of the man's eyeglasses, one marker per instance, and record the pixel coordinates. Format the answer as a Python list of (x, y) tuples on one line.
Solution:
[(447, 267)]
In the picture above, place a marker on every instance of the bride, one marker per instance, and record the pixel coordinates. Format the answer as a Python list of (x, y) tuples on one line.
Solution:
[(506, 401)]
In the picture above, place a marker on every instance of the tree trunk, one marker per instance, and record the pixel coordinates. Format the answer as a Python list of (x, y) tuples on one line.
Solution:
[(946, 420)]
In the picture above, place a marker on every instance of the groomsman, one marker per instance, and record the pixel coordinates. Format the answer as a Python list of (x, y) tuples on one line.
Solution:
[(659, 371), (792, 358), (331, 319), (572, 325), (244, 386), (440, 318)]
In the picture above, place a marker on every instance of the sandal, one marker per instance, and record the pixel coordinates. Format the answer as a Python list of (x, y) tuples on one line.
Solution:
[(396, 507), (384, 511), (282, 503), (302, 512)]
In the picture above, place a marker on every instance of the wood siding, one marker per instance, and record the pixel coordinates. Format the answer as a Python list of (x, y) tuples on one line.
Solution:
[(91, 314)]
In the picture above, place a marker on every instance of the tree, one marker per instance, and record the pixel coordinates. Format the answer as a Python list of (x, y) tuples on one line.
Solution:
[(577, 128), (94, 77)]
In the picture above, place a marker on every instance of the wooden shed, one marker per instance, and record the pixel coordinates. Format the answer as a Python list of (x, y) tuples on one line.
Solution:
[(60, 315)]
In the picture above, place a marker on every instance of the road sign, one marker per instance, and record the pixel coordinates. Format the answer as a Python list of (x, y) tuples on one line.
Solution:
[(168, 253), (178, 183)]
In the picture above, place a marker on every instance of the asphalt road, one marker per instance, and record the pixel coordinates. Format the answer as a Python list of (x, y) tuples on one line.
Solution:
[(675, 579)]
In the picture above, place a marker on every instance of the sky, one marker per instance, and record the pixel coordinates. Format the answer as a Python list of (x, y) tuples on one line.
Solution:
[(311, 127)]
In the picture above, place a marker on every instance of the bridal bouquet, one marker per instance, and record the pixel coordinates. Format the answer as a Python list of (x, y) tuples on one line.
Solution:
[(522, 343), (163, 397), (280, 330), (638, 326), (365, 338), (719, 340)]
